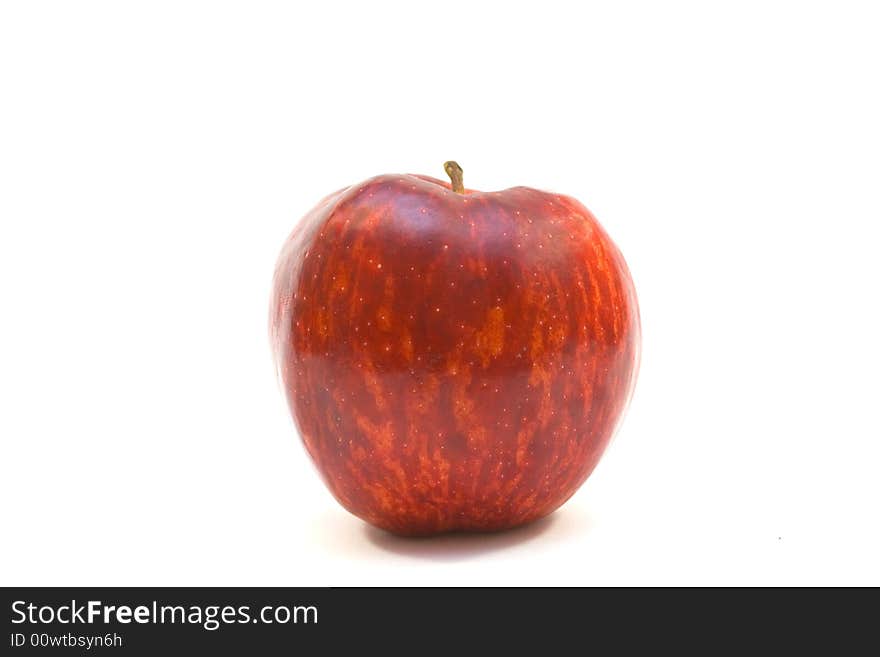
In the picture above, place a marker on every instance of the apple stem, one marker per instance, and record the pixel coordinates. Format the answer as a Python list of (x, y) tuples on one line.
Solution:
[(456, 175)]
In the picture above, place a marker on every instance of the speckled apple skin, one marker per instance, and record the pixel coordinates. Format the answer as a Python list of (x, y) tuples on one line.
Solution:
[(453, 361)]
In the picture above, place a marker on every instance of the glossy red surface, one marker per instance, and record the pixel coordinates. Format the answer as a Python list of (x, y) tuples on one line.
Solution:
[(453, 361)]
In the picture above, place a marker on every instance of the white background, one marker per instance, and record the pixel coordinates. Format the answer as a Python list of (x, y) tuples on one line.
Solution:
[(154, 156)]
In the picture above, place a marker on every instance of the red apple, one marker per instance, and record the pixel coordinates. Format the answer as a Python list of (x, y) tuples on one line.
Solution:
[(453, 359)]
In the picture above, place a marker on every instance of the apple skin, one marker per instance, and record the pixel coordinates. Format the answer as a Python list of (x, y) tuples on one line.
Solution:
[(453, 361)]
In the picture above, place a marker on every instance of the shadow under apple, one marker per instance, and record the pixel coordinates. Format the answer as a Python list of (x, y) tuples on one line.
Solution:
[(464, 545)]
